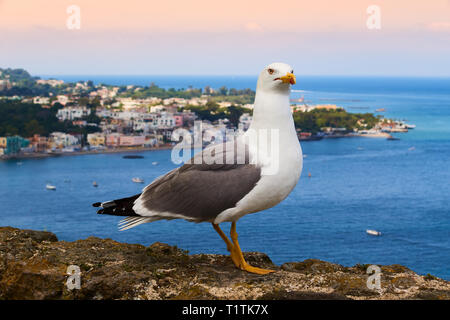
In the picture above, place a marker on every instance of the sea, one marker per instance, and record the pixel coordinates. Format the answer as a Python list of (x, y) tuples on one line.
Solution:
[(400, 188)]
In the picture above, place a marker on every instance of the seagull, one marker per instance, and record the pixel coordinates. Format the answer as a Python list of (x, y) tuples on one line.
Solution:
[(247, 175)]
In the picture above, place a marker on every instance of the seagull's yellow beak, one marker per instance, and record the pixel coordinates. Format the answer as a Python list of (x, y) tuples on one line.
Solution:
[(288, 78)]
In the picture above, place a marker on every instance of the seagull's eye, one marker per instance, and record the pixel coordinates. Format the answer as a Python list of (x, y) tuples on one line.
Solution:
[(292, 71), (270, 71)]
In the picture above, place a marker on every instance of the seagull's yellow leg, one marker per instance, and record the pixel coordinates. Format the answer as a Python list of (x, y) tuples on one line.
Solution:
[(238, 257), (223, 236)]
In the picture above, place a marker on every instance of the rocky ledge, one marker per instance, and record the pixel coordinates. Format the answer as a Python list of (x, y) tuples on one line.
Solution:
[(34, 265)]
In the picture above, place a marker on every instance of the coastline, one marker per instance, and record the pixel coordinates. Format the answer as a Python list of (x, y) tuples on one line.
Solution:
[(81, 153), (162, 147)]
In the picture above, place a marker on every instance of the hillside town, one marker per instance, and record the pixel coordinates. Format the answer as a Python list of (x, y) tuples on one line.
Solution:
[(101, 118)]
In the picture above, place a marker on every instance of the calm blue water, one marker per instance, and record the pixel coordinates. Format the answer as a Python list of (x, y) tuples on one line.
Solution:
[(356, 184)]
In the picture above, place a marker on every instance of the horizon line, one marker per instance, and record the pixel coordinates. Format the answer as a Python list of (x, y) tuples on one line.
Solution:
[(235, 75)]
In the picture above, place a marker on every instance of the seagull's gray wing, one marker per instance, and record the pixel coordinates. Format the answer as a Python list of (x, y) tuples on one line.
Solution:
[(200, 191)]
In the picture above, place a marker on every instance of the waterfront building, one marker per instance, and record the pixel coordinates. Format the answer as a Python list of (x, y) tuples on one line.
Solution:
[(39, 143), (96, 139), (131, 141), (14, 144), (62, 140), (113, 139)]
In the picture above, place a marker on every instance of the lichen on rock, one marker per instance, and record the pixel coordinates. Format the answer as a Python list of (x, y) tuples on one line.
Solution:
[(33, 265)]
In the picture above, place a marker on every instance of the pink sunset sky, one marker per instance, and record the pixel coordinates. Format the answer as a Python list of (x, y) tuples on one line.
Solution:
[(199, 37)]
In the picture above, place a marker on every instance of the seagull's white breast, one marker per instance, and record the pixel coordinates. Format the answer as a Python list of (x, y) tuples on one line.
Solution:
[(274, 185)]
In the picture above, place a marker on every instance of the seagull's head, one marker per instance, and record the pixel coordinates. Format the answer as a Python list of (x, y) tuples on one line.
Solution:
[(276, 77)]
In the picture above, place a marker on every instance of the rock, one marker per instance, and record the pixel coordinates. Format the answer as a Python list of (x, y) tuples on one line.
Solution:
[(33, 265)]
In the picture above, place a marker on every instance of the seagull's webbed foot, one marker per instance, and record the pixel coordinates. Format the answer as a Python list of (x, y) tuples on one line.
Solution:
[(238, 257), (236, 253)]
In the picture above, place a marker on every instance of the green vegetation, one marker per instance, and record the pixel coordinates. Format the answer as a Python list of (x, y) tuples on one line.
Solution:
[(212, 112), (316, 119), (235, 96), (238, 99), (244, 96), (15, 75), (21, 83), (27, 119), (155, 91)]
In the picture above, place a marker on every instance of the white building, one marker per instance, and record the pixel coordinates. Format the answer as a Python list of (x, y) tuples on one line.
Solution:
[(62, 99), (41, 100), (72, 113), (51, 82), (197, 101), (64, 139), (157, 108), (127, 115), (164, 120), (103, 113)]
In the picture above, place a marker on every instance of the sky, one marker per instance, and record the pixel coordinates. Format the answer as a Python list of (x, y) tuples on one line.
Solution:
[(233, 37)]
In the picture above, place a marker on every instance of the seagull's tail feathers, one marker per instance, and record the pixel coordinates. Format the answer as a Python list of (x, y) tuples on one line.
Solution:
[(132, 222), (124, 207), (120, 207)]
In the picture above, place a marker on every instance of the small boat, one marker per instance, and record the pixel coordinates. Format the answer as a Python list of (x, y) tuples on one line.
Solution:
[(392, 138), (50, 187), (410, 126), (373, 232), (95, 184), (412, 148), (154, 163), (137, 180), (19, 163), (132, 156), (380, 110)]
